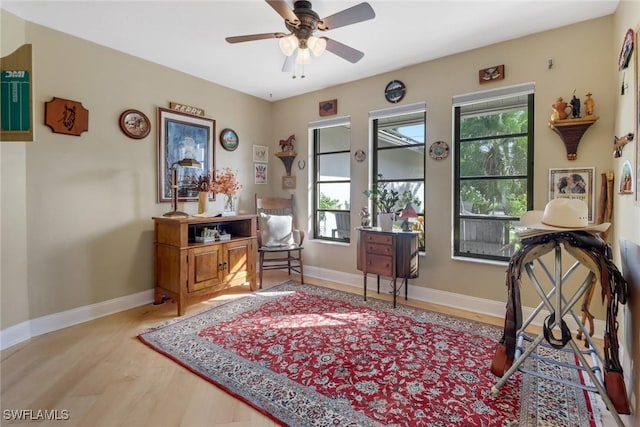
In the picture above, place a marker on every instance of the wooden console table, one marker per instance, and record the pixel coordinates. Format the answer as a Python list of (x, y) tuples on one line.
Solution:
[(186, 269), (388, 253)]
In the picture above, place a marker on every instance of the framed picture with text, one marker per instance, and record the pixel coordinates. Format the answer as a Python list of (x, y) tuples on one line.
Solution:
[(573, 183), (183, 136), (260, 153)]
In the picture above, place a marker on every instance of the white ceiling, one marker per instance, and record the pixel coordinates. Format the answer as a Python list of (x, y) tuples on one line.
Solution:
[(189, 36)]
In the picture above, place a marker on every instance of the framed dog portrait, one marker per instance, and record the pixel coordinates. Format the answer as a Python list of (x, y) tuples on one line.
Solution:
[(183, 136), (573, 183)]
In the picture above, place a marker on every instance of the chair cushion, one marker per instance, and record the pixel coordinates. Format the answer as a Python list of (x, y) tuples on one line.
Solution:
[(276, 230)]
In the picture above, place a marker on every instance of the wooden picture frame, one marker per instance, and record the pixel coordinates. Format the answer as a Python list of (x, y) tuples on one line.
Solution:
[(289, 182), (260, 153), (229, 139), (135, 124), (574, 183), (491, 74), (328, 108), (626, 178), (16, 96), (260, 173), (183, 136)]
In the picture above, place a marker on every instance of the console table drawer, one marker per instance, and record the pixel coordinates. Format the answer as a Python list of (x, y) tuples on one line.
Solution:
[(383, 239), (380, 264), (373, 248)]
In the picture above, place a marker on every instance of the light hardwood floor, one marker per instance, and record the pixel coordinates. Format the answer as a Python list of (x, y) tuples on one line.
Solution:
[(104, 376)]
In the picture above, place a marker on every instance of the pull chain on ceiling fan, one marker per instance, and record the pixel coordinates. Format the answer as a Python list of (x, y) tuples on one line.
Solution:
[(302, 22)]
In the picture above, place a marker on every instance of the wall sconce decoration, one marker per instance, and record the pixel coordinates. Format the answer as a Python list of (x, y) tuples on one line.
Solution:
[(328, 108), (66, 116), (491, 74), (619, 143)]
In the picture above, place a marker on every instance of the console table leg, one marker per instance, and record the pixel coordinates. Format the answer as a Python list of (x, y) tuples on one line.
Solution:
[(365, 286)]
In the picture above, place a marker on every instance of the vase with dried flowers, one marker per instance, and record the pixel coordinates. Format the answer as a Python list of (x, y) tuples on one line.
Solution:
[(225, 182), (204, 184)]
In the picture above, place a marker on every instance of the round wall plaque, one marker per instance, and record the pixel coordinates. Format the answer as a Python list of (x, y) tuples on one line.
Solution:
[(395, 91), (439, 150), (135, 124)]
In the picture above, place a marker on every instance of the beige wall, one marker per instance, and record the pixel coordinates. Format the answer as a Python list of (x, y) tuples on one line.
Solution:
[(76, 210), (626, 215), (436, 82), (14, 295)]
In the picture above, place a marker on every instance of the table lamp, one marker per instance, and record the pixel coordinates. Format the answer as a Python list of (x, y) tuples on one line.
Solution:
[(185, 163), (407, 212)]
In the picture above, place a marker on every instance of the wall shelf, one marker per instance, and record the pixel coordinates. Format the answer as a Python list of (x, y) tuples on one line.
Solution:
[(571, 131), (287, 158)]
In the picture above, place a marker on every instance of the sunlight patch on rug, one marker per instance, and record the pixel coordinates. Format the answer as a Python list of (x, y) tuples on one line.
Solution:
[(308, 355)]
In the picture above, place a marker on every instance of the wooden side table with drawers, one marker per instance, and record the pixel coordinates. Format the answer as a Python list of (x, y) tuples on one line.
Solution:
[(391, 254)]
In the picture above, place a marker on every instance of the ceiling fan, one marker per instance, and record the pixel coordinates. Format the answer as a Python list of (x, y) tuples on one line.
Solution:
[(302, 22)]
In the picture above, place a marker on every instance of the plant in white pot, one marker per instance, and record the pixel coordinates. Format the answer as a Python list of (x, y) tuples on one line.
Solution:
[(386, 200)]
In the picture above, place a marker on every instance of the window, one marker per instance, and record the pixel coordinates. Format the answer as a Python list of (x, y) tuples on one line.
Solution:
[(493, 170), (398, 158), (332, 180)]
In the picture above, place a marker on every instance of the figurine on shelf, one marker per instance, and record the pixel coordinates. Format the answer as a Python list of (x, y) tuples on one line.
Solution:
[(560, 109), (575, 104), (589, 104), (365, 217), (287, 144)]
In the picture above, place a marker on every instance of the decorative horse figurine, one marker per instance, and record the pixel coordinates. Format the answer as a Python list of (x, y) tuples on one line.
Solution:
[(287, 144)]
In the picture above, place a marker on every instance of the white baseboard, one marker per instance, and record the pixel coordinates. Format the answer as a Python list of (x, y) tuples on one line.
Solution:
[(53, 322), (32, 328), (448, 299)]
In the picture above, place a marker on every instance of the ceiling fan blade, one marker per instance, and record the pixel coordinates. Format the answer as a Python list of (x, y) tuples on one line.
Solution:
[(251, 37), (358, 13), (289, 62), (342, 50), (283, 9)]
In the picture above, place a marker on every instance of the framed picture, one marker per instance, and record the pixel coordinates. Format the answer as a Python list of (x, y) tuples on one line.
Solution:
[(229, 139), (260, 153), (135, 124), (626, 178), (328, 108), (260, 173), (288, 182), (491, 74), (573, 183), (183, 136), (637, 113)]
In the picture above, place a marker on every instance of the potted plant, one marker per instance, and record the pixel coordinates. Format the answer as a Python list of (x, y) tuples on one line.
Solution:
[(385, 199)]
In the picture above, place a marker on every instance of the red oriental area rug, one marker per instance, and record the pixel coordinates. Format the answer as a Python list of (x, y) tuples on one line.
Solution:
[(311, 356)]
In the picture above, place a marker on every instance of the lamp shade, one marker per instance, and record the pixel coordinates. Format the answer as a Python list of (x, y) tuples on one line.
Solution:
[(304, 57), (317, 45), (189, 163), (288, 44), (408, 212)]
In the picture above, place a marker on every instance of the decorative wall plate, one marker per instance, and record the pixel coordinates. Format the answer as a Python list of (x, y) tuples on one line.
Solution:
[(229, 139), (626, 50), (439, 150), (135, 124), (360, 155), (395, 91)]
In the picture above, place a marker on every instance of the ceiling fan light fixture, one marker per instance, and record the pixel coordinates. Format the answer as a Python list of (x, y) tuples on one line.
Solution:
[(288, 44), (304, 57), (317, 45)]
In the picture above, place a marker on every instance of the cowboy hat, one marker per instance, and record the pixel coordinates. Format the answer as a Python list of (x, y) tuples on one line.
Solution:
[(562, 215)]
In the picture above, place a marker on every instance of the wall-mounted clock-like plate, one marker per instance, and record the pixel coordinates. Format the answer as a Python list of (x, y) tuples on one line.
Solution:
[(439, 150), (395, 91)]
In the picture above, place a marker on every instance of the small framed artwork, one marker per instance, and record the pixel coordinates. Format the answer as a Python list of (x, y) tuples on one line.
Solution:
[(260, 173), (328, 108), (637, 112), (135, 124), (260, 153), (573, 183), (229, 139), (491, 74), (289, 182), (183, 136), (626, 178)]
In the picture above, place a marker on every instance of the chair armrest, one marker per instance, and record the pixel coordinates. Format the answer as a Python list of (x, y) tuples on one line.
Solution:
[(298, 236)]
